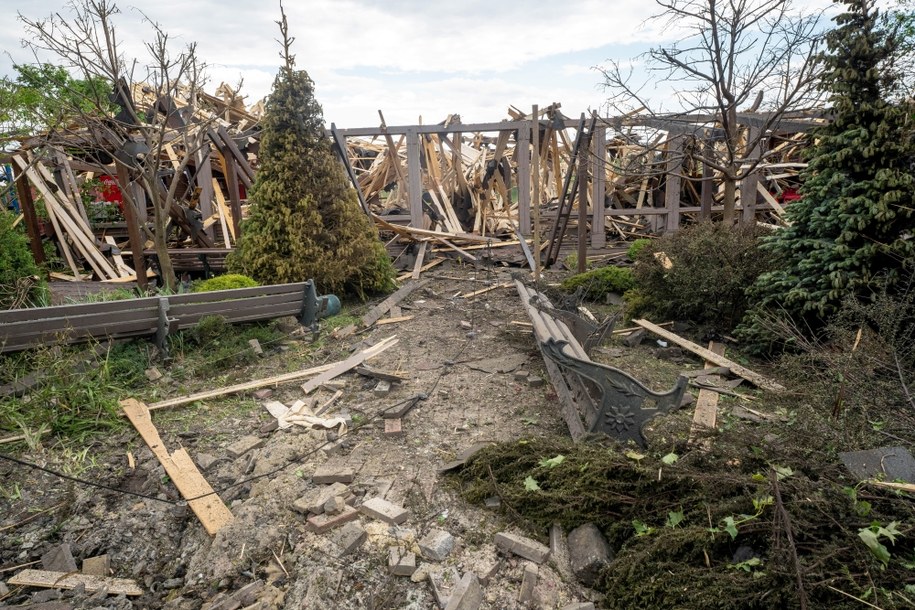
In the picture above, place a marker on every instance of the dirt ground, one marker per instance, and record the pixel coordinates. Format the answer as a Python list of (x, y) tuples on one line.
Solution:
[(266, 558)]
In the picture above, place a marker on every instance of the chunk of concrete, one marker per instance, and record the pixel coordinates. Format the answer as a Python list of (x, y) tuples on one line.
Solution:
[(522, 546), (256, 346), (442, 582), (382, 388), (244, 445), (380, 509), (349, 538), (436, 545), (467, 595), (315, 500), (328, 473), (400, 562), (59, 559), (588, 552), (334, 506), (634, 338)]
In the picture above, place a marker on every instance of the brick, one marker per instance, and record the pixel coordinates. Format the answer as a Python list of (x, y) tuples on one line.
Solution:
[(401, 563), (97, 566), (522, 375), (436, 545), (528, 582), (393, 427), (315, 499), (328, 473), (535, 381), (380, 509), (588, 552), (244, 445), (349, 538), (153, 374), (467, 594), (256, 346), (524, 547), (324, 523), (442, 584)]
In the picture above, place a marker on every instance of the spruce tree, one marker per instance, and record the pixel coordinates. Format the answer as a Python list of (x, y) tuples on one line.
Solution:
[(305, 221), (851, 233)]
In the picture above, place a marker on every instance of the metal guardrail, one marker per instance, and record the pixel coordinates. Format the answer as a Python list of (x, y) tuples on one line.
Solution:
[(159, 316)]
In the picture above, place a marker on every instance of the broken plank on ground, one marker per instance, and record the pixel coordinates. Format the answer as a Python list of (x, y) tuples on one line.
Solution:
[(736, 369), (180, 468), (349, 364), (382, 308), (69, 580), (705, 417)]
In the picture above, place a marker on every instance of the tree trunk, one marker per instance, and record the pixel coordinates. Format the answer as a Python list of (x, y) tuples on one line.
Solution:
[(161, 242), (730, 198)]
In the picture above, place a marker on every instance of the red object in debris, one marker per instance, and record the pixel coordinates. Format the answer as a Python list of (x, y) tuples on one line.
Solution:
[(789, 195), (109, 190)]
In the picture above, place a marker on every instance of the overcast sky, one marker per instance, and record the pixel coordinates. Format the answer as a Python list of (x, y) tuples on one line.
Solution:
[(409, 58)]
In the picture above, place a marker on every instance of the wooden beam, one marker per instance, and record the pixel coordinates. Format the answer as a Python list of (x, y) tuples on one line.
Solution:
[(414, 179), (133, 228), (385, 306), (705, 416), (523, 165), (740, 371), (349, 364), (70, 580), (598, 186), (672, 187), (27, 204), (210, 509)]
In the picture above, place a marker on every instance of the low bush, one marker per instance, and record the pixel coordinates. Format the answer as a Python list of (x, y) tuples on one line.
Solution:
[(600, 282), (19, 285), (228, 281), (636, 247), (701, 274)]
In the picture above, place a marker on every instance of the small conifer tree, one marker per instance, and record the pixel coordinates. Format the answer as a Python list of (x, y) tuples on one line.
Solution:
[(305, 221), (852, 233)]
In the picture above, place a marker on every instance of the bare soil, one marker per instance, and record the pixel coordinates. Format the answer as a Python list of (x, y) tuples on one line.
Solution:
[(158, 541)]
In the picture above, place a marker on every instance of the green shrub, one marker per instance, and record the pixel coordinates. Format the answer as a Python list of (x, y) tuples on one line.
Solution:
[(226, 282), (710, 268), (16, 264), (636, 247), (600, 282)]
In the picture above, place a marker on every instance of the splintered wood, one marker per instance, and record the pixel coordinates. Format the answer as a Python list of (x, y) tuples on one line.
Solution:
[(705, 417), (209, 508), (63, 580)]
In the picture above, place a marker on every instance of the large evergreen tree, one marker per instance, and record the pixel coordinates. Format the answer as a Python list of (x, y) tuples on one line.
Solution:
[(852, 231), (305, 221)]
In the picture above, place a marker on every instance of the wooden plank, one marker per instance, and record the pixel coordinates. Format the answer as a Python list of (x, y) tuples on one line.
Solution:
[(236, 293), (379, 220), (241, 387), (347, 365), (523, 165), (470, 295), (211, 307), (754, 378), (460, 251), (70, 580), (772, 201), (414, 180), (420, 256), (672, 186), (394, 320), (705, 416), (382, 308), (228, 228), (209, 509), (598, 186)]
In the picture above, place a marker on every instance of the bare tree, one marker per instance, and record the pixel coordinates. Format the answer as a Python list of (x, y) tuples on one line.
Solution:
[(730, 54), (150, 146)]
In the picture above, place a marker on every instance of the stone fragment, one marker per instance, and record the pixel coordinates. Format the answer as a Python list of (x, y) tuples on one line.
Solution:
[(334, 385), (467, 595), (324, 523), (588, 552), (263, 393), (528, 582), (401, 563), (492, 502), (256, 346), (535, 381), (204, 460), (559, 551), (59, 559), (443, 582), (466, 325), (334, 506), (97, 566), (522, 375), (244, 445), (383, 510), (315, 500), (349, 538), (4, 590), (436, 545), (634, 338), (522, 546), (153, 374), (579, 606), (328, 473), (382, 388)]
